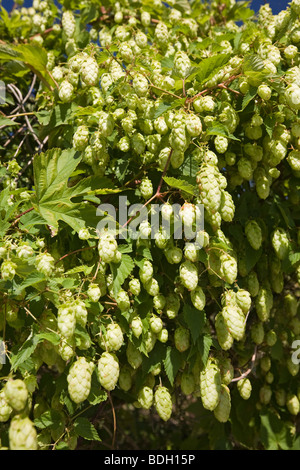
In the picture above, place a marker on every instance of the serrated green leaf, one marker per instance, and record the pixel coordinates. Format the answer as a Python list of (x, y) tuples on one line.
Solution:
[(172, 363), (52, 170), (24, 353), (84, 428), (161, 109), (49, 419), (120, 271), (204, 344), (220, 129), (210, 66), (181, 184), (249, 96), (195, 320)]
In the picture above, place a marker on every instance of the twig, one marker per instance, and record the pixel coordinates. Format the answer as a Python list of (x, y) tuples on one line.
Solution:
[(114, 419), (248, 371), (76, 251), (21, 215)]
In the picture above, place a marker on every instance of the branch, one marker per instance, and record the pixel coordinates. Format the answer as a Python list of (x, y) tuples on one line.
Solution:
[(248, 371)]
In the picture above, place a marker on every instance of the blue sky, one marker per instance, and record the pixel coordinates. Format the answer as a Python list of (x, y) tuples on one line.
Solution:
[(276, 5)]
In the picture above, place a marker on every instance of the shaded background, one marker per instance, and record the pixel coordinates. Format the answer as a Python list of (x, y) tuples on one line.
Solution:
[(276, 5)]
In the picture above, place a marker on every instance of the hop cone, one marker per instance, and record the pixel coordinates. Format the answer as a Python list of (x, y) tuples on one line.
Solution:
[(222, 410), (16, 394), (108, 368), (79, 379), (210, 385), (163, 403), (22, 434)]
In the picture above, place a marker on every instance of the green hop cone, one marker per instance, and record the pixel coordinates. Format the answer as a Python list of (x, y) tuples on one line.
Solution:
[(146, 188), (79, 379), (257, 332), (280, 242), (16, 394), (66, 321), (107, 247), (244, 388), (265, 394), (227, 207), (112, 340), (125, 378), (243, 300), (163, 403), (228, 270), (22, 434), (188, 273), (108, 370), (254, 234), (224, 337), (264, 303), (235, 321), (227, 370), (182, 338), (222, 410), (134, 356), (210, 385), (68, 23), (187, 383), (145, 397), (81, 138), (292, 404), (66, 91), (89, 71), (198, 298), (134, 286), (156, 324), (5, 409)]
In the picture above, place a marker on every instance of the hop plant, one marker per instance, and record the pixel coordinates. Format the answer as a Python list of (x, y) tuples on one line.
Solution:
[(187, 383), (66, 91), (8, 270), (22, 434), (146, 188), (244, 388), (145, 397), (235, 321), (210, 385), (222, 410), (254, 234), (81, 138), (280, 242), (182, 339), (5, 409), (68, 23), (89, 71), (107, 247), (112, 339), (189, 275), (66, 321), (198, 298), (108, 370), (182, 64), (79, 379), (163, 403), (16, 394)]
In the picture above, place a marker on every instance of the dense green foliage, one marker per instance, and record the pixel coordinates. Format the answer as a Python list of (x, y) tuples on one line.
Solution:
[(149, 343)]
